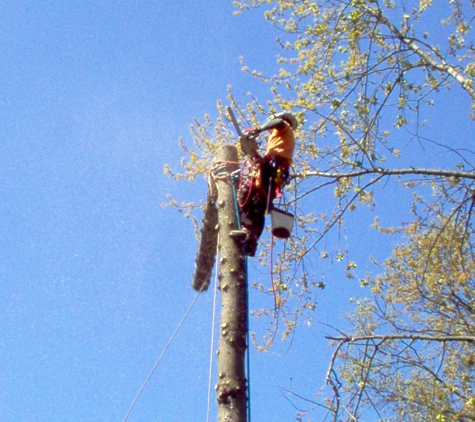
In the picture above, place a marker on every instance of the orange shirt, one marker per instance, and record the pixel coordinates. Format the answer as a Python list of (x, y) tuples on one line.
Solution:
[(281, 142)]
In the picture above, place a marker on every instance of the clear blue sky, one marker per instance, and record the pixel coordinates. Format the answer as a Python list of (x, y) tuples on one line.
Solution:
[(94, 274)]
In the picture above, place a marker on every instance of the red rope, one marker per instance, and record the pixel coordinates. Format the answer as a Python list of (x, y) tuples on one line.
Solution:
[(241, 184), (272, 272)]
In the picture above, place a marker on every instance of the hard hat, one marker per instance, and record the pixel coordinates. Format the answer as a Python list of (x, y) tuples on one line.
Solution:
[(286, 116)]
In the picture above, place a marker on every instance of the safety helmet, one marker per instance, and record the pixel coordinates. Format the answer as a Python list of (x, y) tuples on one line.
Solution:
[(286, 116)]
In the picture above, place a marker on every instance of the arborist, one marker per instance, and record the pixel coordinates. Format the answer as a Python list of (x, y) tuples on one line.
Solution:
[(269, 173)]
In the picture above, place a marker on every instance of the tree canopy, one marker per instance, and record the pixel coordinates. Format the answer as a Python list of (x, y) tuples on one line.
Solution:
[(410, 352), (366, 78)]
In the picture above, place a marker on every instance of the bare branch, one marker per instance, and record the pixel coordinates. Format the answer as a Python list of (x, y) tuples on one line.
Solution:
[(440, 65), (391, 172), (386, 337)]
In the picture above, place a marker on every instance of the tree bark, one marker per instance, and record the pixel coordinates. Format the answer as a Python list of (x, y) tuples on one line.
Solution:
[(205, 258), (231, 387)]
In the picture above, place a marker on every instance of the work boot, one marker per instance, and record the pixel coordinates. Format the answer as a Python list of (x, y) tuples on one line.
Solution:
[(239, 234), (250, 246), (245, 221)]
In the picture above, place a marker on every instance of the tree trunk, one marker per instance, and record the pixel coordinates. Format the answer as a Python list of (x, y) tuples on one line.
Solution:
[(231, 387)]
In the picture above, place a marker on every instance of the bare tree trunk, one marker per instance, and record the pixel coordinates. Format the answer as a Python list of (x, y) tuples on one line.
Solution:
[(231, 387)]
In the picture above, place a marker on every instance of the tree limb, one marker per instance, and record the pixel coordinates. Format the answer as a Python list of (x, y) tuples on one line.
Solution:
[(390, 172), (385, 337), (441, 65)]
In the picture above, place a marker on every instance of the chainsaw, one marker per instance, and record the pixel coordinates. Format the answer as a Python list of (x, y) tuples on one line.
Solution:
[(247, 141)]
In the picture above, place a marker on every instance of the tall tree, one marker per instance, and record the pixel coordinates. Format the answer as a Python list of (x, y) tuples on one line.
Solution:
[(365, 79)]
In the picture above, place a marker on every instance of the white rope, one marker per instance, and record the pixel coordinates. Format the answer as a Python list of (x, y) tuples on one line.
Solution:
[(161, 356), (213, 329)]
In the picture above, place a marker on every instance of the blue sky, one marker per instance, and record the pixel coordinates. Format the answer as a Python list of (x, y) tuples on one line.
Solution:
[(94, 273)]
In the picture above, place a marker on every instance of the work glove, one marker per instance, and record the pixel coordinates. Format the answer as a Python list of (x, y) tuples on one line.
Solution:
[(253, 131), (248, 145)]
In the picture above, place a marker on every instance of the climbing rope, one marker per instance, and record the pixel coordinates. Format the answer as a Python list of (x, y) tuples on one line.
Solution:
[(252, 173), (161, 356), (213, 329), (246, 281)]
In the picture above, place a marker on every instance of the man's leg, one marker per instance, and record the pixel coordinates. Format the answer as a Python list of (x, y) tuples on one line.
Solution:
[(257, 218)]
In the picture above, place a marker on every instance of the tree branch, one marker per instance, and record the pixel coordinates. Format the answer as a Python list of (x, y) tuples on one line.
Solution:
[(385, 337), (440, 65), (390, 172)]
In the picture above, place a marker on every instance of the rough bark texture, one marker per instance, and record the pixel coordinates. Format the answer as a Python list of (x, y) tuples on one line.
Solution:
[(206, 255), (231, 387)]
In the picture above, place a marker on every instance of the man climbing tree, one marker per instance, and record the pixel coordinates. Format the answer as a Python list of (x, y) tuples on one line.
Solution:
[(269, 173)]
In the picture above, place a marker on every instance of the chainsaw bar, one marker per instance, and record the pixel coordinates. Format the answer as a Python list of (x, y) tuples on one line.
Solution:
[(248, 143)]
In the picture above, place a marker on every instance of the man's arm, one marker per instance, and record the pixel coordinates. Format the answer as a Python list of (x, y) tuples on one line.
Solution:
[(278, 124), (248, 142)]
